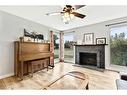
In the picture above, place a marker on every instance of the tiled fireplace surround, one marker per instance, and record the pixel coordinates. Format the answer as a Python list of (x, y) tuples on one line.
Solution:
[(99, 50)]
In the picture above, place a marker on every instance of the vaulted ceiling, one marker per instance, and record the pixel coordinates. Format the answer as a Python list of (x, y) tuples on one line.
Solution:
[(94, 14)]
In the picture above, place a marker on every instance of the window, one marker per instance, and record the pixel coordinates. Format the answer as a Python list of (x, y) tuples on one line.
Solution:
[(118, 46), (56, 47)]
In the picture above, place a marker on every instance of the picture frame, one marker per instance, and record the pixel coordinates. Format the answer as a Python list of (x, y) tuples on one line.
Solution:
[(101, 40), (88, 38)]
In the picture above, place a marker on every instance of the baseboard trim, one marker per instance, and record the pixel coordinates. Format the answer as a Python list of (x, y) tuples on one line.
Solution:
[(6, 75)]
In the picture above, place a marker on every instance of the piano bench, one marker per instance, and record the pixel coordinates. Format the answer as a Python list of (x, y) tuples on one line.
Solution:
[(39, 65)]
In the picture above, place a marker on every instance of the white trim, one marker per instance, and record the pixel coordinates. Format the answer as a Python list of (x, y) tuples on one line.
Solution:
[(6, 75), (117, 68)]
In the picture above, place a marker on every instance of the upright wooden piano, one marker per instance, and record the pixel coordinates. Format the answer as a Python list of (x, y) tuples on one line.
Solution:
[(30, 57)]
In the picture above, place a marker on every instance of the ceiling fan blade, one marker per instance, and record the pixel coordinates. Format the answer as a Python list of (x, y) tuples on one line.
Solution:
[(53, 13), (78, 15), (78, 6)]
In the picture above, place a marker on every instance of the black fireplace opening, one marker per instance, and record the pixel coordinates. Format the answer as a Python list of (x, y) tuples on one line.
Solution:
[(88, 58)]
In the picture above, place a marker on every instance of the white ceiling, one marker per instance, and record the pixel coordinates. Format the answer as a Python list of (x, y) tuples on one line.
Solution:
[(94, 14)]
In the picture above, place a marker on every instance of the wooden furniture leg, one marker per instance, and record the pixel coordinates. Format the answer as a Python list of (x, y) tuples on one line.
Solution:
[(42, 65), (21, 76), (47, 63), (87, 86), (31, 69)]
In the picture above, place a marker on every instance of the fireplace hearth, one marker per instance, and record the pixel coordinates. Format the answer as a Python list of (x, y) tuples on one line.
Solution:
[(90, 55)]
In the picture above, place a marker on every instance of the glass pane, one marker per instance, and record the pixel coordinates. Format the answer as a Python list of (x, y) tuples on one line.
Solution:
[(56, 47), (118, 41), (68, 48)]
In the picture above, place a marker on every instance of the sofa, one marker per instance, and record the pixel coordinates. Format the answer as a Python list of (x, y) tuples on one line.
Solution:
[(122, 82)]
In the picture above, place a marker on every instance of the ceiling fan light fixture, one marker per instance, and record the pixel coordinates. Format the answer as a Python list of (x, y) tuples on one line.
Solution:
[(71, 16), (66, 14), (66, 17), (65, 21)]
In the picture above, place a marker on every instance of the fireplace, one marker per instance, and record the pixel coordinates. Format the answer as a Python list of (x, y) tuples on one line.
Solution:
[(90, 55), (88, 59)]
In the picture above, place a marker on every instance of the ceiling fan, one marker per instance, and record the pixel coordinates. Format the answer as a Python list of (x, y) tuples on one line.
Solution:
[(68, 13)]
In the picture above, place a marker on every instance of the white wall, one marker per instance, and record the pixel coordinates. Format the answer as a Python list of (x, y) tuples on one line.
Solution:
[(11, 27), (99, 30)]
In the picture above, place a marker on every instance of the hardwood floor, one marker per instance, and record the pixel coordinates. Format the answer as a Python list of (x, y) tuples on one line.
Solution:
[(97, 79)]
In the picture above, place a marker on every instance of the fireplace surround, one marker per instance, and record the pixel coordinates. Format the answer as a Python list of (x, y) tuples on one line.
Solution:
[(90, 55)]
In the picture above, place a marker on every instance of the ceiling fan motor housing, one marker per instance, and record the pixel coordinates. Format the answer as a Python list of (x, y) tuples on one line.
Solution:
[(68, 8)]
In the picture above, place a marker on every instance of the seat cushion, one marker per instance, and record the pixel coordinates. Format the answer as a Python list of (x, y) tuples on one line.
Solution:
[(121, 84)]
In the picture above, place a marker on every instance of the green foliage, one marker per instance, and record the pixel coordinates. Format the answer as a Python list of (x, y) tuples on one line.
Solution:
[(119, 49), (69, 44)]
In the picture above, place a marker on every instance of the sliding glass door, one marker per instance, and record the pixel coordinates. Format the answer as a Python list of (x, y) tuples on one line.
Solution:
[(118, 44), (68, 47)]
